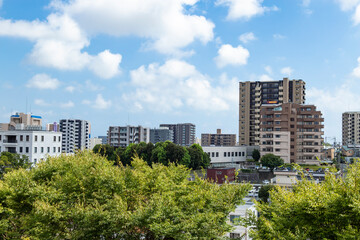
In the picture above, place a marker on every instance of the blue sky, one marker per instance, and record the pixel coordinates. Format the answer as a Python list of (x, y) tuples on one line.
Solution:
[(117, 62)]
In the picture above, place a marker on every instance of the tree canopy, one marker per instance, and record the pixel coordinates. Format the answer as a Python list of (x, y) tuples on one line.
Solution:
[(86, 197), (271, 161), (327, 210), (11, 161), (256, 154), (163, 152)]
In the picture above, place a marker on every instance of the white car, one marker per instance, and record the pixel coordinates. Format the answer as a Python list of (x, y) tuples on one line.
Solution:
[(266, 182)]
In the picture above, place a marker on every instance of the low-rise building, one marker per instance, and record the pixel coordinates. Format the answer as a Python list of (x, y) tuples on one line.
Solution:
[(36, 145), (221, 175), (94, 142), (233, 156)]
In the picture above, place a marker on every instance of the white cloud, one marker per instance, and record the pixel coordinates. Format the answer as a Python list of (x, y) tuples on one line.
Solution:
[(41, 102), (269, 70), (58, 44), (247, 37), (228, 55), (265, 77), (287, 71), (177, 84), (166, 24), (306, 3), (351, 5), (278, 36), (43, 81), (70, 89), (106, 64), (356, 71), (101, 103), (68, 104), (244, 9)]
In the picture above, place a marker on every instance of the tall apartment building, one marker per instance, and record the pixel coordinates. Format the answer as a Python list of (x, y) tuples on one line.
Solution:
[(161, 134), (351, 128), (24, 135), (184, 133), (292, 131), (218, 139), (75, 134), (122, 136), (253, 94)]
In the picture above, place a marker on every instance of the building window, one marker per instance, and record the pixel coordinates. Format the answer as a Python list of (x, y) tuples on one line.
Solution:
[(35, 138), (212, 154), (217, 154), (54, 149), (21, 149), (232, 154), (58, 149), (21, 138), (35, 149), (42, 138), (236, 154), (42, 149), (224, 154), (243, 154), (27, 149), (59, 139), (27, 138), (48, 149), (54, 138)]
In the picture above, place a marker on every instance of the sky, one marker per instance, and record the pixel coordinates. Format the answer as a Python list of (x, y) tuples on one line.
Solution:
[(119, 62)]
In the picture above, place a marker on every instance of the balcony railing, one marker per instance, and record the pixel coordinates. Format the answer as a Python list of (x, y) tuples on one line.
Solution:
[(10, 141)]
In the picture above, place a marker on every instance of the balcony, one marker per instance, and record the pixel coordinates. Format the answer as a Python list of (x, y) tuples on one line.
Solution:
[(10, 141)]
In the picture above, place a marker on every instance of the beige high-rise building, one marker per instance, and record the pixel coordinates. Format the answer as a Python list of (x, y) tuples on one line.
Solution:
[(255, 93), (351, 128), (292, 131)]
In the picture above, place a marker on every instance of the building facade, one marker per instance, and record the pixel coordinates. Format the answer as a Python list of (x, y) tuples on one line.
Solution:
[(229, 156), (292, 131), (218, 139), (122, 136), (161, 134), (253, 94), (22, 121), (75, 134), (350, 128), (184, 133), (37, 145), (94, 142)]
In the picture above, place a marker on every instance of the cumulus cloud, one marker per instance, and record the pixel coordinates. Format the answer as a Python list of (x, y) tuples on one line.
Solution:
[(177, 84), (58, 43), (228, 55), (166, 24), (98, 103), (244, 9), (105, 65), (351, 5), (265, 77), (43, 81), (287, 71), (68, 104), (247, 37)]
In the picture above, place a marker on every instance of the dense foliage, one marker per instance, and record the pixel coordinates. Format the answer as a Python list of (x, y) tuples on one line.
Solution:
[(12, 161), (329, 210), (163, 152), (264, 192), (86, 197), (272, 161), (256, 154)]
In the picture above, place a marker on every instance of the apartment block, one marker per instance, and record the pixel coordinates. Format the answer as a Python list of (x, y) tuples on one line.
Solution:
[(351, 128), (253, 94), (292, 131), (122, 136), (161, 134), (75, 134), (218, 139), (184, 133)]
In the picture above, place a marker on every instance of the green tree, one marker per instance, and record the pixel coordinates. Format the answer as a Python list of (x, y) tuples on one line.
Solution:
[(264, 192), (327, 210), (198, 158), (11, 161), (105, 150), (256, 154), (271, 161), (85, 196)]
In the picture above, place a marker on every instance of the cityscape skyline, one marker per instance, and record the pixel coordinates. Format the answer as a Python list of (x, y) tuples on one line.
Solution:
[(132, 67)]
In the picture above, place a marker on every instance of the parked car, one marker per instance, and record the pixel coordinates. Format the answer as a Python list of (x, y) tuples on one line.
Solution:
[(266, 182)]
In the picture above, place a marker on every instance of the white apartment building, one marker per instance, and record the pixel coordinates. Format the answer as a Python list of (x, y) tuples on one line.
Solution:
[(277, 143), (228, 156), (122, 136), (75, 135), (36, 145)]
